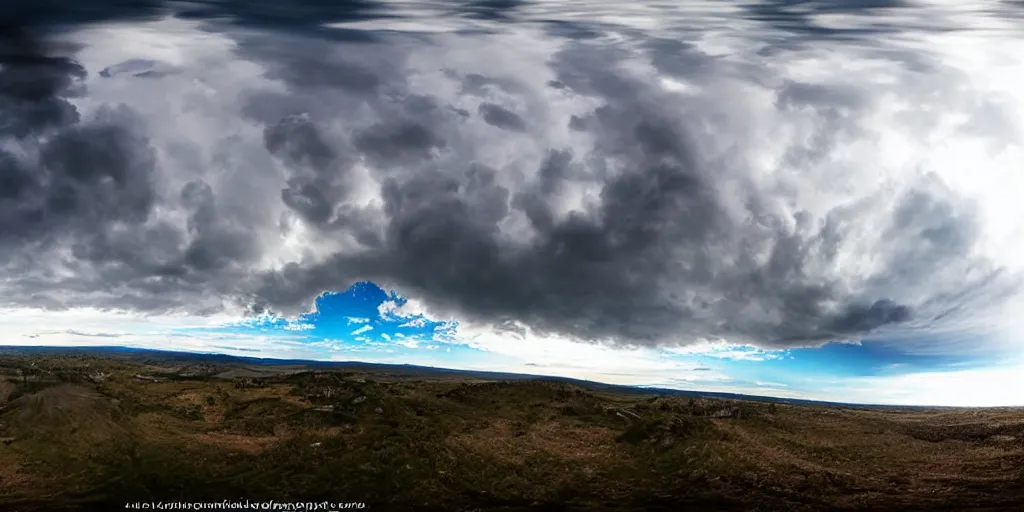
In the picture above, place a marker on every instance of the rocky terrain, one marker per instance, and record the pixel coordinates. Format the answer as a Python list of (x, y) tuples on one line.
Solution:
[(88, 431)]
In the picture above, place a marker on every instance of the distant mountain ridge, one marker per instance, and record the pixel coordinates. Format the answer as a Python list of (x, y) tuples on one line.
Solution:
[(168, 355)]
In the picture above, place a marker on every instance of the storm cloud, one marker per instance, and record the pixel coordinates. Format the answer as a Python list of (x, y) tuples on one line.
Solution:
[(62, 173), (656, 194)]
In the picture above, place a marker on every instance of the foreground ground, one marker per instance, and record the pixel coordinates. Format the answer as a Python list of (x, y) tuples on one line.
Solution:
[(81, 431)]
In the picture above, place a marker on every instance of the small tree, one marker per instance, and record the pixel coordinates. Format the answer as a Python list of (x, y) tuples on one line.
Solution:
[(29, 371)]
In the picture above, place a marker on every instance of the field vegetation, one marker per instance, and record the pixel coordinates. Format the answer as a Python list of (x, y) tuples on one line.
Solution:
[(84, 431)]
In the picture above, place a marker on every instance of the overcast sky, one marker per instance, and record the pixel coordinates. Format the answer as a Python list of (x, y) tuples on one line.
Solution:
[(798, 200)]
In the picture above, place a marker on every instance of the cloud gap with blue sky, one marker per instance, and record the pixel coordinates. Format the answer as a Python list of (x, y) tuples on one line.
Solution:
[(367, 323)]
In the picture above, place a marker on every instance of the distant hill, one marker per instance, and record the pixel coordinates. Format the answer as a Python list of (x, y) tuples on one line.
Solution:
[(98, 428), (164, 356)]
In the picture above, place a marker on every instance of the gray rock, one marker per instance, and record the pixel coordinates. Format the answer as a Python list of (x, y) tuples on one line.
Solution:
[(358, 400), (379, 410), (631, 414), (733, 412)]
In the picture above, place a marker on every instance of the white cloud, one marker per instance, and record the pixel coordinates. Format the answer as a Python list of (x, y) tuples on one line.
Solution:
[(419, 322), (412, 309), (90, 327), (527, 352), (722, 349), (363, 329), (996, 386)]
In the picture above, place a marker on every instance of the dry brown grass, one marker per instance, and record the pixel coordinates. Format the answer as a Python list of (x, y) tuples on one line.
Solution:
[(13, 476), (235, 442), (284, 393), (173, 431), (517, 443), (873, 458), (461, 444), (6, 388)]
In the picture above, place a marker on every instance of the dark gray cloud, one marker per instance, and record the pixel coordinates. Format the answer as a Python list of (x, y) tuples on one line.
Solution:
[(387, 142), (489, 9), (214, 244), (309, 71), (501, 117), (305, 16), (615, 210), (657, 259), (139, 68), (34, 85), (318, 179), (81, 191), (69, 175)]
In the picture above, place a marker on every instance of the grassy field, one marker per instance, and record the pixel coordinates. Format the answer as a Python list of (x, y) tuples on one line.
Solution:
[(90, 432)]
